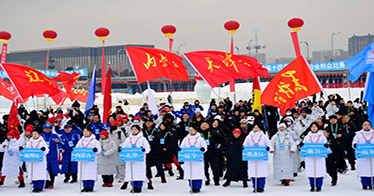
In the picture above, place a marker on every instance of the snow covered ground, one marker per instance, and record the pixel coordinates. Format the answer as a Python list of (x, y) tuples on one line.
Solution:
[(348, 184)]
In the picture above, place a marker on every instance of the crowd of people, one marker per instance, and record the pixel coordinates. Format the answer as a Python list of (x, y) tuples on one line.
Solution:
[(221, 135)]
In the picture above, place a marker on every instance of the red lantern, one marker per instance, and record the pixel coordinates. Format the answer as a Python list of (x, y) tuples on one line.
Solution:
[(49, 35), (295, 24), (5, 36), (102, 33), (168, 30), (231, 26)]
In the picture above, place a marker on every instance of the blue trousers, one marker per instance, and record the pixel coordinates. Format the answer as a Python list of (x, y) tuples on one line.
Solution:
[(88, 184), (196, 184), (319, 182), (260, 183), (38, 184), (366, 181), (137, 184)]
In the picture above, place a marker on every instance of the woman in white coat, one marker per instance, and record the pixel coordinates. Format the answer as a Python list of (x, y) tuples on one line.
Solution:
[(11, 163), (194, 140), (257, 138), (283, 147), (107, 160), (365, 136), (315, 136), (87, 171), (138, 174), (37, 171)]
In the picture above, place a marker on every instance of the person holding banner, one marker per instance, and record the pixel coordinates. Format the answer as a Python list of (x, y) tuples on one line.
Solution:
[(364, 169), (11, 163), (283, 146), (315, 170), (196, 175), (257, 138), (37, 171), (88, 173), (135, 172), (69, 140), (107, 159)]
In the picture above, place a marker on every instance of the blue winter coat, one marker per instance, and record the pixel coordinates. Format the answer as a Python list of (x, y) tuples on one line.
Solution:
[(96, 130), (77, 131), (190, 111), (69, 140), (54, 150)]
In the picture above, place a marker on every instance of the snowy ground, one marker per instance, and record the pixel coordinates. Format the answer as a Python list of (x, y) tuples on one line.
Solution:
[(348, 184)]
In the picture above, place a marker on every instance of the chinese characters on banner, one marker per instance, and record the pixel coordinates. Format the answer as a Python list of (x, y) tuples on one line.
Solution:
[(152, 63), (217, 67), (292, 83)]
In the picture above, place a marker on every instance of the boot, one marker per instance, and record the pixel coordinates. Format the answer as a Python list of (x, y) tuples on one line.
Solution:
[(207, 183), (21, 184), (245, 185), (318, 189), (353, 167), (150, 187), (312, 188), (47, 184), (163, 179), (138, 190), (181, 173), (227, 183), (124, 186), (67, 178), (171, 172), (216, 183), (109, 185), (74, 178)]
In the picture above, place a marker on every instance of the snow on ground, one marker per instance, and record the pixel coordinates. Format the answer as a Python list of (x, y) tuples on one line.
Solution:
[(348, 184)]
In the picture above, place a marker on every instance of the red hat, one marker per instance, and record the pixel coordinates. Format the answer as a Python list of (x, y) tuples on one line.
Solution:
[(31, 126), (59, 115), (51, 120), (66, 116), (164, 109), (28, 129), (136, 118), (119, 118), (12, 133), (104, 133), (125, 116), (236, 131), (115, 123)]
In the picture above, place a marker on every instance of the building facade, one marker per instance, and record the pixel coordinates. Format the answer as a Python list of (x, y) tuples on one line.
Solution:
[(358, 43)]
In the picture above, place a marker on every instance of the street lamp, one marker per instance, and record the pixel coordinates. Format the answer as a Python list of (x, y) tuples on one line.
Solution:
[(249, 47), (257, 47), (179, 48), (237, 48), (332, 42), (307, 48)]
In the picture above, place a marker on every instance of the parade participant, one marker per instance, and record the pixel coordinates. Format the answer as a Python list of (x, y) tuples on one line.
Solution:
[(351, 129), (167, 147), (116, 134), (331, 109), (283, 146), (365, 136), (37, 173), (69, 140), (55, 147), (315, 136), (257, 138), (236, 168), (107, 159), (196, 176), (88, 175), (11, 163), (184, 126), (187, 108), (138, 174), (97, 126), (317, 112)]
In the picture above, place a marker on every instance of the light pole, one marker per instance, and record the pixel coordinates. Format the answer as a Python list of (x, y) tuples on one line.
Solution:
[(237, 48), (307, 48), (332, 42), (249, 47), (257, 47), (179, 48)]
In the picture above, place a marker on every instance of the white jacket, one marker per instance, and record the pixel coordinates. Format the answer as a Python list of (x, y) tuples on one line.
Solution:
[(363, 165), (88, 170), (320, 161), (38, 170), (11, 161)]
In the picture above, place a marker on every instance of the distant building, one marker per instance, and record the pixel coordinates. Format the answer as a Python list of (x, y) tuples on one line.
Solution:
[(261, 57), (326, 56), (358, 43), (284, 60)]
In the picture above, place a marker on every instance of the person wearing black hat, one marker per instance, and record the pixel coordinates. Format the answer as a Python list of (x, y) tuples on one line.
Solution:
[(187, 108), (228, 104), (153, 135), (339, 133), (197, 105), (351, 129)]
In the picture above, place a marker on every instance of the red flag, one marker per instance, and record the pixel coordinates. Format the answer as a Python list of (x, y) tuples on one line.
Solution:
[(292, 83), (217, 67), (28, 81), (7, 90), (4, 51), (68, 80), (152, 63), (107, 97), (13, 121), (79, 95)]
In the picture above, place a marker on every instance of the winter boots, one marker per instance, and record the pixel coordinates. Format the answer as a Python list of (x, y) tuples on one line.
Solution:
[(124, 186), (67, 178), (181, 173), (74, 178), (136, 190), (150, 186), (227, 183), (163, 179), (171, 172), (21, 184), (245, 185)]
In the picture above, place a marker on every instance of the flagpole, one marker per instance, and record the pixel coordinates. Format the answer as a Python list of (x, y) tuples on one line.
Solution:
[(10, 79)]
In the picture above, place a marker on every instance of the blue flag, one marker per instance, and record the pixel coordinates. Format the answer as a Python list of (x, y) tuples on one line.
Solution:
[(91, 93), (361, 62), (369, 95)]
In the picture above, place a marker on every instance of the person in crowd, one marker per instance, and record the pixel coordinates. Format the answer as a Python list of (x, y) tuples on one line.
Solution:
[(69, 140), (117, 135), (107, 159), (97, 126), (258, 138), (167, 148), (283, 147), (194, 171), (88, 173), (351, 129), (187, 108), (331, 109), (197, 105)]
